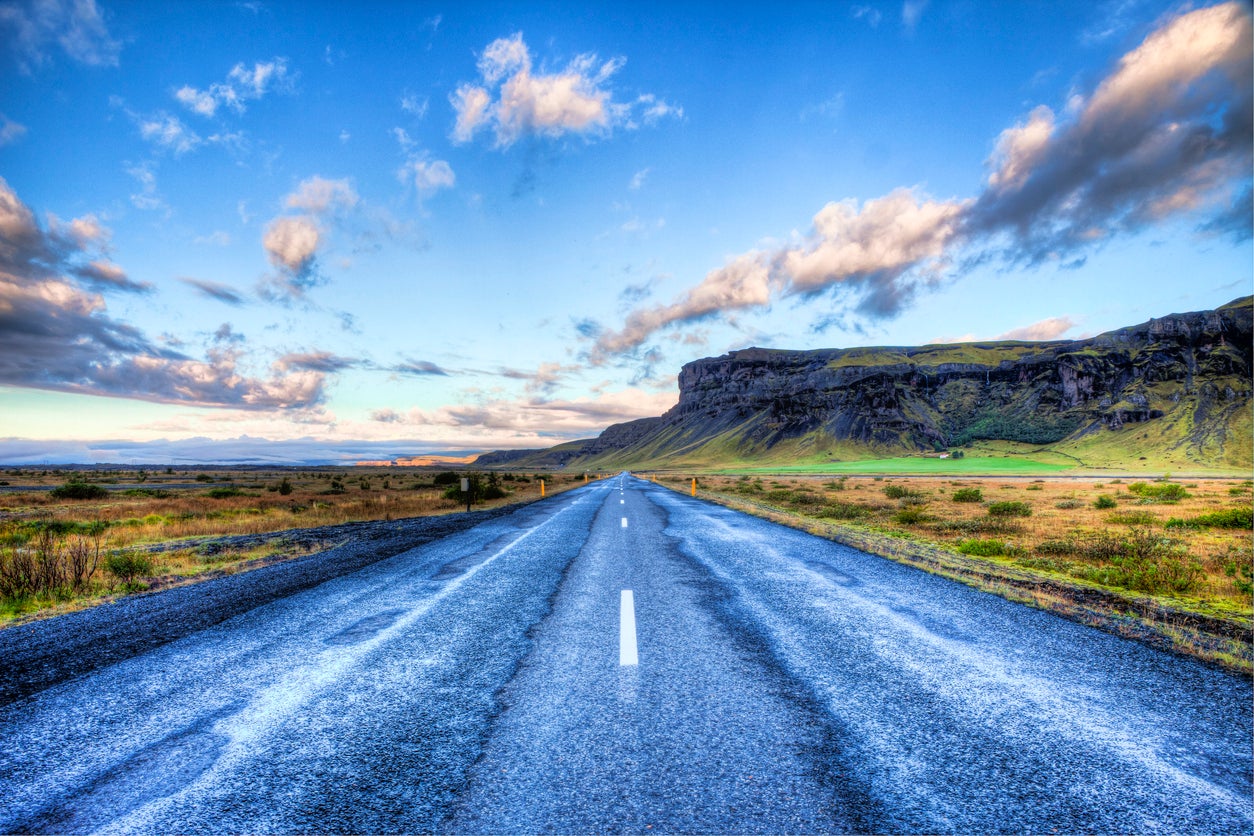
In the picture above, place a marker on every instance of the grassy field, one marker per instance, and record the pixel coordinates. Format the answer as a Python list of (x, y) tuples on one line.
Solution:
[(1159, 556), (919, 465), (59, 553)]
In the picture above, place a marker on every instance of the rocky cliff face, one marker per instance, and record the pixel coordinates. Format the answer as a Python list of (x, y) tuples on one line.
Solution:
[(1190, 370), (936, 396)]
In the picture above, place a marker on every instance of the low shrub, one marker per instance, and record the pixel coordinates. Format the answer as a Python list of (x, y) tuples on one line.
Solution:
[(896, 491), (909, 516), (983, 548), (78, 490), (1227, 518), (224, 493), (1010, 509), (1105, 501), (127, 566), (1069, 504), (968, 495), (1160, 492)]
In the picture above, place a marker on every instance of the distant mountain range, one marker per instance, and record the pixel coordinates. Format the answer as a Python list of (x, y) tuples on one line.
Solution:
[(1173, 392)]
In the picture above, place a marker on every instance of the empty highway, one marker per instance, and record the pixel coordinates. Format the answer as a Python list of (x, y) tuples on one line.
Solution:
[(624, 658)]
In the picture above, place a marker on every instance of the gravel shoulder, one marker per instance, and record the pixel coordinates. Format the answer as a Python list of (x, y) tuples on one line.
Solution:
[(43, 653)]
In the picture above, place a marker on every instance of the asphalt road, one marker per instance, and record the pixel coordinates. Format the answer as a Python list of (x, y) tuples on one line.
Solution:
[(624, 658)]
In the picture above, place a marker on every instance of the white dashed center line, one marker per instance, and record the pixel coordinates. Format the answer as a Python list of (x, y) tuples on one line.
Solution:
[(624, 522), (627, 629)]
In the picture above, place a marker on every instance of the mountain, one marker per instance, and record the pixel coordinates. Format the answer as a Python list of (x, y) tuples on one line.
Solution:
[(1173, 392)]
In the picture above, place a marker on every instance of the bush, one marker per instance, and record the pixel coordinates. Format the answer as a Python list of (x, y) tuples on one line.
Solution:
[(968, 495), (896, 491), (983, 548), (447, 477), (203, 477), (224, 493), (1010, 509), (909, 516), (1228, 518), (285, 487), (1162, 492), (127, 566), (1104, 502), (1068, 504), (479, 489), (78, 490), (1143, 562)]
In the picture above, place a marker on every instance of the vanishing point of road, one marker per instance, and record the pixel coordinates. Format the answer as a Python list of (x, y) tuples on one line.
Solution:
[(625, 658)]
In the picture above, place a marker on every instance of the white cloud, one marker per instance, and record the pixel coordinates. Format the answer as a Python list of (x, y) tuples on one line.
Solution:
[(241, 84), (870, 14), (427, 176), (574, 100), (10, 131), (291, 243), (147, 197), (912, 13), (76, 26), (637, 179), (1044, 330), (410, 103), (169, 132), (318, 195)]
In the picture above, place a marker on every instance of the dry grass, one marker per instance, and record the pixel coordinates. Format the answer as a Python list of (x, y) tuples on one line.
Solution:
[(1142, 567), (144, 509)]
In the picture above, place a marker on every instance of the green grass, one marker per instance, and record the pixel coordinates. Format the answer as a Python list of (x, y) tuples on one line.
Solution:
[(917, 465)]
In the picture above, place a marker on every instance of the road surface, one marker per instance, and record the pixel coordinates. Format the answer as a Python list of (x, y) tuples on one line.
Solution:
[(625, 658)]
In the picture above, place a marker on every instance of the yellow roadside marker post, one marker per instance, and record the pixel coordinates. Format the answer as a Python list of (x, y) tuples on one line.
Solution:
[(542, 489), (694, 487)]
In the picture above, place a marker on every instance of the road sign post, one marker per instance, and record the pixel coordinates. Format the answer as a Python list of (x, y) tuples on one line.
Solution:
[(466, 490)]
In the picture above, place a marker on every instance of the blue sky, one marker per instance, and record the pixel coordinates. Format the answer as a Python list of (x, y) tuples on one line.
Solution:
[(326, 232)]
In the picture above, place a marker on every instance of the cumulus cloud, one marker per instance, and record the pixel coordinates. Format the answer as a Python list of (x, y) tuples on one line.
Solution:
[(242, 84), (745, 282), (76, 26), (319, 195), (56, 332), (1166, 135), (514, 100), (292, 242)]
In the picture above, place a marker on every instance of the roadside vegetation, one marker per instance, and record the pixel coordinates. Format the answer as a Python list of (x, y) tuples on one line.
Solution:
[(72, 538), (1167, 557)]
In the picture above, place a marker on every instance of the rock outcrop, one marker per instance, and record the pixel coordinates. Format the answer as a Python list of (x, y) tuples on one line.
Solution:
[(1193, 369)]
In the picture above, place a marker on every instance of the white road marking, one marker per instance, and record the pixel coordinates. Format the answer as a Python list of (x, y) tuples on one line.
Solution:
[(624, 522), (627, 629), (622, 502)]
